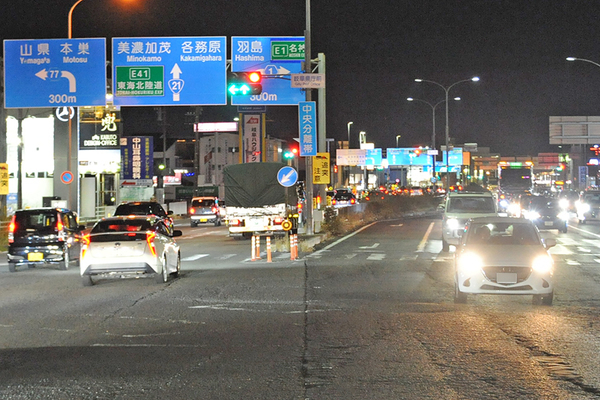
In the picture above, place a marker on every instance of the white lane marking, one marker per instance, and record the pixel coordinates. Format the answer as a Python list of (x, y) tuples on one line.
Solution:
[(560, 249), (349, 256), (373, 246), (586, 232), (226, 256), (572, 262), (194, 257), (584, 250), (146, 345), (398, 225), (421, 245), (376, 257), (348, 236), (597, 260)]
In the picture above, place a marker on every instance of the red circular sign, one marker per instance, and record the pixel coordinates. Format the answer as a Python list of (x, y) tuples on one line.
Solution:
[(66, 177)]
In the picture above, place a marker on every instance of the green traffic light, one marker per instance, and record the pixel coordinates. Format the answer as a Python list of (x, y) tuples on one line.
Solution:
[(288, 155)]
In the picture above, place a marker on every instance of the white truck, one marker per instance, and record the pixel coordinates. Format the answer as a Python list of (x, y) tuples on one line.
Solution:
[(255, 201)]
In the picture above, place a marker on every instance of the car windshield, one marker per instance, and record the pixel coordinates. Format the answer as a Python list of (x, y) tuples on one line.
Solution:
[(40, 221), (543, 202), (592, 197), (203, 202), (471, 205), (502, 234), (140, 209), (125, 225)]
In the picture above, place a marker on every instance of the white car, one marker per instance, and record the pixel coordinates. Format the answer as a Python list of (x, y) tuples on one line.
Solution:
[(503, 255), (133, 245), (459, 208)]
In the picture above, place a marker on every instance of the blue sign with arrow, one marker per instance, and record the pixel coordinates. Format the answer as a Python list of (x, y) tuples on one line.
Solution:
[(276, 58), (55, 73), (169, 71), (287, 176)]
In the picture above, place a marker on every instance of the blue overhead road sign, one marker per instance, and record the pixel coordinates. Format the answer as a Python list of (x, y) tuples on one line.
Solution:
[(169, 71), (276, 58), (55, 73)]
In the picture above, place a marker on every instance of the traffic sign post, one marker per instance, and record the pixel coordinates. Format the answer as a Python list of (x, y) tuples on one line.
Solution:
[(275, 58), (169, 71), (287, 176), (55, 73)]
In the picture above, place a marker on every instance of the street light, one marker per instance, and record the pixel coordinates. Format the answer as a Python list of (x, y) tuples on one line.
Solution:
[(397, 137), (349, 123), (583, 59), (433, 107), (447, 90)]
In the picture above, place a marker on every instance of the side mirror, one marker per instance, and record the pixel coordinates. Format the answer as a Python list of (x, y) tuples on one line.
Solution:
[(170, 212), (177, 232), (549, 243), (81, 227), (441, 207)]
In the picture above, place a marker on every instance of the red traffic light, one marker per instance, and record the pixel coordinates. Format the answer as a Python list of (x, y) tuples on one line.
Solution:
[(254, 77)]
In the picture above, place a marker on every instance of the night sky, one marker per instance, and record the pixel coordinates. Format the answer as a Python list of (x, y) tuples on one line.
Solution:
[(375, 49)]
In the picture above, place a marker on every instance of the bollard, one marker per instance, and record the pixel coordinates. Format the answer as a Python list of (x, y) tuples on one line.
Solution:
[(253, 248), (293, 253), (295, 246), (269, 249), (257, 247)]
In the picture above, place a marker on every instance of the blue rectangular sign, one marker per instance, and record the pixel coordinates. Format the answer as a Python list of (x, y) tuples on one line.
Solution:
[(373, 157), (456, 156), (169, 71), (55, 73), (307, 117), (137, 158), (407, 156), (254, 54)]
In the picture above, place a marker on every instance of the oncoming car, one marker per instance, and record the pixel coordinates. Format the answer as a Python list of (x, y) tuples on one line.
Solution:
[(132, 245), (504, 255), (546, 213), (588, 206)]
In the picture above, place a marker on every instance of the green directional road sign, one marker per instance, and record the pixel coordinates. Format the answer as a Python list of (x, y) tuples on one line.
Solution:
[(140, 81), (287, 50)]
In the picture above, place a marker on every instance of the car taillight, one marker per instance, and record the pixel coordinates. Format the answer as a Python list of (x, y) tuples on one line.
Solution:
[(277, 220), (150, 240), (192, 210), (11, 230), (333, 201), (214, 210), (352, 201), (235, 222), (62, 235), (85, 244)]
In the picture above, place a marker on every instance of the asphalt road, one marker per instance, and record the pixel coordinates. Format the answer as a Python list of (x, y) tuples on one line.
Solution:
[(368, 316)]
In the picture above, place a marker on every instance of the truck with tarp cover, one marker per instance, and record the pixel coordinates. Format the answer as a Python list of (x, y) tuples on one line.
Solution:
[(256, 202)]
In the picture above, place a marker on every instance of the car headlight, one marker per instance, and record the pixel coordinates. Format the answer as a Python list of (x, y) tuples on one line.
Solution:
[(503, 203), (469, 263), (584, 207), (532, 215), (452, 223), (563, 203), (514, 208), (564, 216), (542, 264)]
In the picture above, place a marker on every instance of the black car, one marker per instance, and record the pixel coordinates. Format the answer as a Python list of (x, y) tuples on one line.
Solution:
[(145, 208), (546, 213), (41, 236)]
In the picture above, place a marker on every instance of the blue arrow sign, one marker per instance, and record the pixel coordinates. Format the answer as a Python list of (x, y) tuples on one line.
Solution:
[(169, 71), (260, 54), (55, 73), (287, 176)]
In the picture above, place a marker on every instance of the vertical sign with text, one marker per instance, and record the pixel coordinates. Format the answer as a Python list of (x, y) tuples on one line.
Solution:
[(252, 137), (137, 161), (307, 118)]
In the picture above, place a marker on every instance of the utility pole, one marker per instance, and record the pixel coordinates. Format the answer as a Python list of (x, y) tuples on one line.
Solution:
[(309, 159)]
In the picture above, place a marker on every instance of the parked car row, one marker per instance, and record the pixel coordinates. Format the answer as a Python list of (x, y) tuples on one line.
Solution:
[(137, 240)]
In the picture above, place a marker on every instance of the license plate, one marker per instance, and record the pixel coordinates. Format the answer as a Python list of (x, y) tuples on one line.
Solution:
[(548, 223), (203, 219), (35, 256), (506, 277)]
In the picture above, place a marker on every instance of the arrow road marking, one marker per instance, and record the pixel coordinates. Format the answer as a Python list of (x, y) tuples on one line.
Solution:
[(374, 245)]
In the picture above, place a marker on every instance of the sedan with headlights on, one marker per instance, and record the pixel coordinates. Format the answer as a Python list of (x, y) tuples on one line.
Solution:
[(502, 255), (130, 246)]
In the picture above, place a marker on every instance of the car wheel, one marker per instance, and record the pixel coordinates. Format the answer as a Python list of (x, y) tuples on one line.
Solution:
[(459, 297), (193, 224), (547, 299), (564, 229), (87, 280), (445, 246), (64, 265), (178, 272), (163, 275), (12, 267), (582, 221)]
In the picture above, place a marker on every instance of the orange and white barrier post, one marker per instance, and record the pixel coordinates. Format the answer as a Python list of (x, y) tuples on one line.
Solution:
[(257, 247), (269, 249), (253, 248)]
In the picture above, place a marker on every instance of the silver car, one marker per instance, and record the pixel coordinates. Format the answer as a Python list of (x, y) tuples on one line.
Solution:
[(502, 255), (132, 245)]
